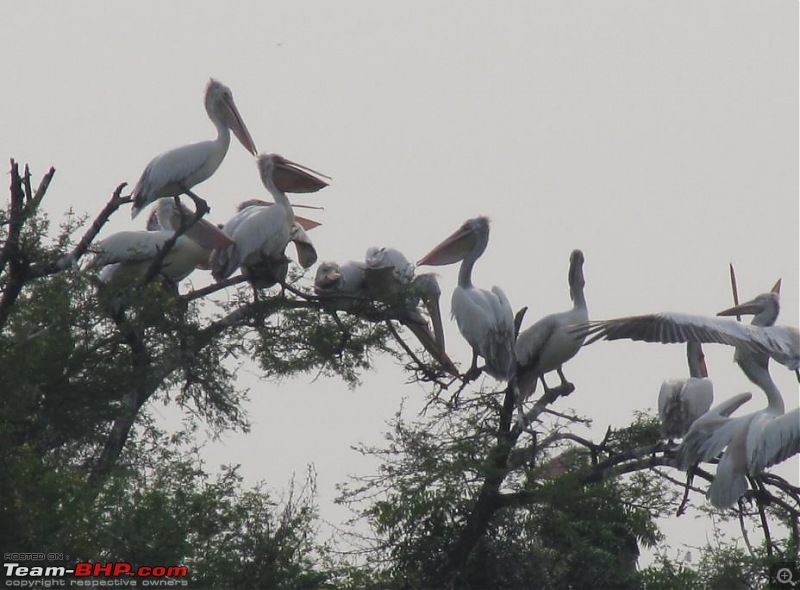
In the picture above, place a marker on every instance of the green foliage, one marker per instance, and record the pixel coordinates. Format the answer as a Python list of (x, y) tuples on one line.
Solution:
[(174, 512)]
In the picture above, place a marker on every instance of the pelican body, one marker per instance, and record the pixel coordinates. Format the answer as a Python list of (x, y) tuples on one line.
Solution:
[(682, 401), (174, 172), (548, 344), (262, 232), (130, 253), (484, 318)]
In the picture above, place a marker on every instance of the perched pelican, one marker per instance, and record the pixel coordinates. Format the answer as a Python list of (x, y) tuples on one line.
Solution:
[(130, 253), (548, 344), (484, 318), (390, 277), (176, 171), (752, 442), (261, 233), (347, 280), (388, 273), (682, 401), (781, 343), (354, 285)]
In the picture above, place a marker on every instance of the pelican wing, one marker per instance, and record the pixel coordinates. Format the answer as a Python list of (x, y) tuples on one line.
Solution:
[(129, 246), (782, 343), (169, 172), (681, 402), (486, 321), (712, 432), (772, 440)]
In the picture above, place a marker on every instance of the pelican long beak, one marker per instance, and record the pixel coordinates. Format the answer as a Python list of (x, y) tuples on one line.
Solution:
[(238, 127), (306, 253), (432, 305), (452, 249), (575, 275), (751, 307), (202, 232), (291, 177), (208, 235), (306, 224)]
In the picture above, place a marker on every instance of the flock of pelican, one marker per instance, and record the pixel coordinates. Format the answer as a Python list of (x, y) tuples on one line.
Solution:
[(256, 238)]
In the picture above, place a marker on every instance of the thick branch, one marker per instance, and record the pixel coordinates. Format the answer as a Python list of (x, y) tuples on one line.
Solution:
[(12, 255), (116, 201)]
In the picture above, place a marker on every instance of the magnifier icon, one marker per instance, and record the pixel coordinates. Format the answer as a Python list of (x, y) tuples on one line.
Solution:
[(785, 576)]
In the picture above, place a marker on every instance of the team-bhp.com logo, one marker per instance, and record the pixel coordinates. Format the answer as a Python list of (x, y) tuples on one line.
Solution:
[(118, 573)]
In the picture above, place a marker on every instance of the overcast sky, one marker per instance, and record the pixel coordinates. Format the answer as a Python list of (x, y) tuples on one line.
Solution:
[(659, 137)]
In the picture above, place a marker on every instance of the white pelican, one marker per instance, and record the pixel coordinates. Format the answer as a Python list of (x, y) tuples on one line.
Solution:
[(261, 233), (352, 287), (348, 280), (388, 273), (752, 442), (781, 343), (548, 344), (484, 318), (682, 401), (176, 171), (129, 254), (390, 277)]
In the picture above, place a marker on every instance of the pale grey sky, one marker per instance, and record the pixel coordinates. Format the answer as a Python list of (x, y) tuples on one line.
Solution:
[(659, 137)]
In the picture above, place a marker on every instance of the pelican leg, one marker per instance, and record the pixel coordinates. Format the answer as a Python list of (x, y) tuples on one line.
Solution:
[(474, 370), (565, 387), (201, 206)]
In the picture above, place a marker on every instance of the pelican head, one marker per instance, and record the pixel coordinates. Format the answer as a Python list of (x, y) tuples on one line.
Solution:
[(328, 277), (220, 107), (252, 203), (575, 276), (472, 236), (765, 307), (288, 176)]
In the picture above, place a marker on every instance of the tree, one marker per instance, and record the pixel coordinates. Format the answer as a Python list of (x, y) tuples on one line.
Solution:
[(466, 496)]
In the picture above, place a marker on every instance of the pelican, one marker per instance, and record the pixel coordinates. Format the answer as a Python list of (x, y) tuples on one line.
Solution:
[(682, 401), (781, 343), (548, 344), (390, 277), (484, 318), (388, 273), (261, 233), (752, 442), (130, 253), (348, 280), (176, 171)]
